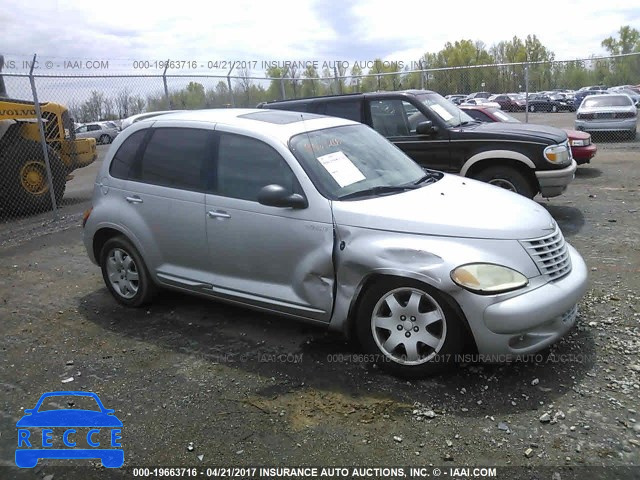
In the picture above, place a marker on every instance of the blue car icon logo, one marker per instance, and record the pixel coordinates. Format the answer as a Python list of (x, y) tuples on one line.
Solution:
[(69, 433)]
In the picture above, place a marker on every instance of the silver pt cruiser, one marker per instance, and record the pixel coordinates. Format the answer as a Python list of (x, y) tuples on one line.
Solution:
[(324, 220)]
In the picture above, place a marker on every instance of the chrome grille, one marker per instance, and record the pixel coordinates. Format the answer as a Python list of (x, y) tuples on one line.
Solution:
[(550, 254)]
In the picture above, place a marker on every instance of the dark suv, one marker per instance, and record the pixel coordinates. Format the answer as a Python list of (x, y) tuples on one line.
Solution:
[(527, 159)]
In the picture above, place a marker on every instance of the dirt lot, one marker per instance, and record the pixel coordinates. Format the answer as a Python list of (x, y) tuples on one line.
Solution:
[(198, 383)]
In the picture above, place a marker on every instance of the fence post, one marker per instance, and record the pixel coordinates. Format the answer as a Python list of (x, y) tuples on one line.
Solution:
[(166, 89), (233, 98), (526, 93), (43, 139), (283, 92), (338, 85)]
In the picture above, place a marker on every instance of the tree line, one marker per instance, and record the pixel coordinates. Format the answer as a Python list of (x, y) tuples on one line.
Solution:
[(456, 68)]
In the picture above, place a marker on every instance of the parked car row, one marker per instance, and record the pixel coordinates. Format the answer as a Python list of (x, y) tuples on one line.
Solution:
[(558, 100)]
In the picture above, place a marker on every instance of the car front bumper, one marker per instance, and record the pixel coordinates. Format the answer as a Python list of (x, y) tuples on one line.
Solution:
[(554, 182), (529, 322)]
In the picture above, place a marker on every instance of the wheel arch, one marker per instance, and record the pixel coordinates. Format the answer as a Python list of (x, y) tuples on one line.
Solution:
[(491, 157), (104, 234), (469, 344)]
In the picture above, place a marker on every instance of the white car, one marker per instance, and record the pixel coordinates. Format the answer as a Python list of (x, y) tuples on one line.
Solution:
[(141, 116), (611, 112)]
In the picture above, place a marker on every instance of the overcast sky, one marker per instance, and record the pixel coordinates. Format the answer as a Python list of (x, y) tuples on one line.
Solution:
[(236, 30)]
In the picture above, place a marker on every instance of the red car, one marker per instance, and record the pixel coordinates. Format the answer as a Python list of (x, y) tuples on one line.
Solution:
[(581, 147)]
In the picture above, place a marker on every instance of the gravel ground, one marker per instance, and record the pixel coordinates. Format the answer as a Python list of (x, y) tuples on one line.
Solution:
[(197, 383)]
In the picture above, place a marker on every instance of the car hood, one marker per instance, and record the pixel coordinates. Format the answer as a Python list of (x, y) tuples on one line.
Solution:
[(455, 207), (542, 133), (69, 418)]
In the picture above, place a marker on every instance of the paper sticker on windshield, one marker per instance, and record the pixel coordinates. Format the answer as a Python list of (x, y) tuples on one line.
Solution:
[(442, 112), (343, 171)]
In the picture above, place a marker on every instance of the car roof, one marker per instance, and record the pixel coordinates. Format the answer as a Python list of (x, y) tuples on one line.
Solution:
[(281, 124), (385, 93)]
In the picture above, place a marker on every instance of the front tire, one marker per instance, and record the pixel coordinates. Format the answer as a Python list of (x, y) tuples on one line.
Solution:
[(125, 273), (508, 178), (554, 108), (105, 139), (407, 327)]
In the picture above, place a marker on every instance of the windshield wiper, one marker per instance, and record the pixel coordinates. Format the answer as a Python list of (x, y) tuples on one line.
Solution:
[(380, 189), (427, 176)]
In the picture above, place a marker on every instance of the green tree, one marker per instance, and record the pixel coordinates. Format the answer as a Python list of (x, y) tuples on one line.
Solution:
[(627, 69)]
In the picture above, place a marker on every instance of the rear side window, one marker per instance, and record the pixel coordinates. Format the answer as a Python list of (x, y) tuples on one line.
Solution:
[(351, 110), (177, 158), (246, 165), (123, 160)]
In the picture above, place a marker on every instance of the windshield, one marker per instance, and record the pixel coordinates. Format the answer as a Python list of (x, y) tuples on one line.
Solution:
[(343, 160), (447, 111)]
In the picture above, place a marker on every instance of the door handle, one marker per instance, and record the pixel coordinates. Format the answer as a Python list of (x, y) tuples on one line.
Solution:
[(134, 199), (218, 214)]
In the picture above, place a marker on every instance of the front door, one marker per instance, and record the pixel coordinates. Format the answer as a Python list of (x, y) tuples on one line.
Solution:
[(274, 258), (396, 119)]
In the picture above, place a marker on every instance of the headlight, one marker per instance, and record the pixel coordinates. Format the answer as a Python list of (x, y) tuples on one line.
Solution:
[(487, 278), (556, 154), (578, 143)]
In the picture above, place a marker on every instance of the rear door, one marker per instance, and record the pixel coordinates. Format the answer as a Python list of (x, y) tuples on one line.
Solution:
[(162, 197)]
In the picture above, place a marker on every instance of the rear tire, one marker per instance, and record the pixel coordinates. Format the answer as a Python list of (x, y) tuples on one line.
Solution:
[(407, 328), (554, 108), (508, 178), (125, 273), (532, 108), (24, 177)]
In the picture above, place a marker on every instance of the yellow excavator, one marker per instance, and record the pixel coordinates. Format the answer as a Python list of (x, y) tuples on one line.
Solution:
[(24, 186)]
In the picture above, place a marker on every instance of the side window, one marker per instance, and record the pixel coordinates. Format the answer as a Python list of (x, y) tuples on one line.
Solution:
[(477, 115), (93, 128), (389, 118), (414, 116), (125, 156), (245, 165), (351, 110), (81, 129), (177, 158)]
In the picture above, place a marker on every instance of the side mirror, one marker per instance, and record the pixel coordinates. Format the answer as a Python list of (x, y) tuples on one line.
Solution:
[(28, 411), (278, 196), (426, 128)]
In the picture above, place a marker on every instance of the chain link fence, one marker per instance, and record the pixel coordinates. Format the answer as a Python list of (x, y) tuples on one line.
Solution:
[(44, 145)]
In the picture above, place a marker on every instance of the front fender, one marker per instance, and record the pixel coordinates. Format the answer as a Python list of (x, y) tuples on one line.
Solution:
[(427, 259)]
